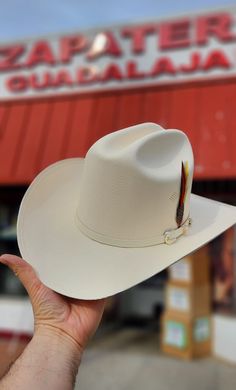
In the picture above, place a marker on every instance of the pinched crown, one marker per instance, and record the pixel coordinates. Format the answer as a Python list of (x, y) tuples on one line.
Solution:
[(136, 186)]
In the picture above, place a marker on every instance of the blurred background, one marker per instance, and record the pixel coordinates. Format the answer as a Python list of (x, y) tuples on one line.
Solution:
[(71, 72)]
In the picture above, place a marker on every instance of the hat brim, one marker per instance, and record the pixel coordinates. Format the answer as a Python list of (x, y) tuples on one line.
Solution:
[(74, 265)]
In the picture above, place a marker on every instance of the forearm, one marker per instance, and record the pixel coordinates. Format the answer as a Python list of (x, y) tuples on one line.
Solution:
[(50, 361)]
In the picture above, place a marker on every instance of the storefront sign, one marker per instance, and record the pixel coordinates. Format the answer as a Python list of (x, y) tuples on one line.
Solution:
[(160, 52)]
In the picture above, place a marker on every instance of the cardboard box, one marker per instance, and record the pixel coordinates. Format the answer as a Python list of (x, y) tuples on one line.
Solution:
[(192, 269), (186, 337), (190, 300)]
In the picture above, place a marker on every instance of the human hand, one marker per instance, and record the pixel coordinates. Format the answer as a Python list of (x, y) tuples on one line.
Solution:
[(73, 320)]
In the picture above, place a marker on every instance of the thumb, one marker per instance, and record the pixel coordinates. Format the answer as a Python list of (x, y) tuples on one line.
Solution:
[(25, 272)]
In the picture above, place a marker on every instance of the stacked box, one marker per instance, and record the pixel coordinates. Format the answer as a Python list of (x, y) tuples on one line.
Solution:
[(189, 300), (185, 336), (193, 269), (186, 322)]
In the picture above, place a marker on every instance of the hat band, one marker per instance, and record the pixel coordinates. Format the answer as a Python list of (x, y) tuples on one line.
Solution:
[(169, 236)]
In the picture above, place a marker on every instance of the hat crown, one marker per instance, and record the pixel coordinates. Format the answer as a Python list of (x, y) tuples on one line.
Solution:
[(131, 185)]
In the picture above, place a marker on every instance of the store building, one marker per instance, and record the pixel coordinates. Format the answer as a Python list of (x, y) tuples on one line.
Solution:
[(60, 94)]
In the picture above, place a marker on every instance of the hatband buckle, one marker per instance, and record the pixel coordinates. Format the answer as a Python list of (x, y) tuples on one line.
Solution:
[(170, 236)]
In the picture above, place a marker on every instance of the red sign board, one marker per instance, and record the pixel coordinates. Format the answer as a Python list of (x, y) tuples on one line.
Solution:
[(196, 47)]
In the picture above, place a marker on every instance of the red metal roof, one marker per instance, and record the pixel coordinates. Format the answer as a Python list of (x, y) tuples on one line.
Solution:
[(36, 133)]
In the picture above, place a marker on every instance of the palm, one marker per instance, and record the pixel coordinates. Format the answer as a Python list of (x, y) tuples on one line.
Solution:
[(78, 318)]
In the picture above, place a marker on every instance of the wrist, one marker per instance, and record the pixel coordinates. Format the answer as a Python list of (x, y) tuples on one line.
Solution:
[(58, 338), (51, 357), (61, 351)]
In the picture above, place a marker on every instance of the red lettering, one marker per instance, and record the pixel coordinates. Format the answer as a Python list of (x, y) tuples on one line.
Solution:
[(163, 65), (218, 25), (174, 34), (12, 55), (87, 74), (70, 46), (41, 82), (138, 36), (193, 65), (104, 44), (63, 78), (112, 72), (216, 59), (133, 72), (41, 53), (17, 83)]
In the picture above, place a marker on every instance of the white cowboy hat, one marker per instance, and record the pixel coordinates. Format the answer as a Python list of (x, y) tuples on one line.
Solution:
[(96, 226)]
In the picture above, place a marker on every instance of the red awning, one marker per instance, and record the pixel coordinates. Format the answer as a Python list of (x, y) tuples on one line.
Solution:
[(36, 133)]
